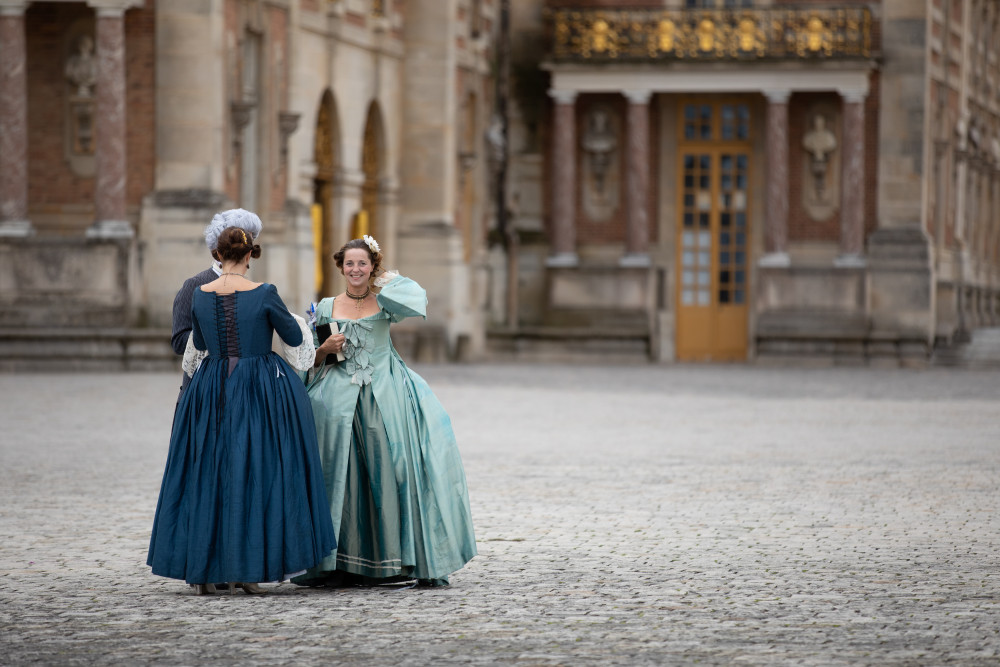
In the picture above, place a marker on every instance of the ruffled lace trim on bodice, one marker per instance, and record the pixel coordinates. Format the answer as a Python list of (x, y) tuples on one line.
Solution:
[(359, 348)]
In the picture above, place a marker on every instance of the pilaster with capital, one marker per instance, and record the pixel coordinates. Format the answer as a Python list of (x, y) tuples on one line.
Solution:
[(563, 180), (776, 203), (13, 122), (852, 209), (637, 226), (110, 149)]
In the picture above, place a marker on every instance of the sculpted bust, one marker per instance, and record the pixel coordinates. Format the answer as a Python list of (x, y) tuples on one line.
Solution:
[(819, 142), (81, 68)]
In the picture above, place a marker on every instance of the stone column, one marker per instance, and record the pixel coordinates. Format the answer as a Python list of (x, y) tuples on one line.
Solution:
[(109, 153), (776, 204), (563, 174), (852, 191), (637, 229), (13, 122)]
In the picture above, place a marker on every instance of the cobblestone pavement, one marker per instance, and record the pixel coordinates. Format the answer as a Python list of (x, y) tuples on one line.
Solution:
[(639, 515)]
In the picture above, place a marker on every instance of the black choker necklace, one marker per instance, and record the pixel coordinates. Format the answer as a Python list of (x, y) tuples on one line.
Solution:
[(359, 299)]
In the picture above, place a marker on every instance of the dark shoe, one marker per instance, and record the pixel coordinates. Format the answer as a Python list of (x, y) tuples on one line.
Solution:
[(433, 583)]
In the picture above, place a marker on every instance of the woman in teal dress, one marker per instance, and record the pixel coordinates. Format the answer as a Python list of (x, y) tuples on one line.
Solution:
[(393, 474), (242, 498)]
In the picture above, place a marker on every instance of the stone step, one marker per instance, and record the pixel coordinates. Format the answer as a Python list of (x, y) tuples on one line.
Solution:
[(982, 351), (86, 349), (570, 344)]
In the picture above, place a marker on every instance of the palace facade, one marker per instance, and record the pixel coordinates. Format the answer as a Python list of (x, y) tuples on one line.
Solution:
[(126, 124), (736, 179), (690, 180)]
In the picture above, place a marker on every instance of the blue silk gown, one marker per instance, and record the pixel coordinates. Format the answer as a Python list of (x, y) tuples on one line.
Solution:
[(242, 497)]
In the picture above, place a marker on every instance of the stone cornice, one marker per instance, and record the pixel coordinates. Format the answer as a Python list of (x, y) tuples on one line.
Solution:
[(852, 83), (13, 7), (113, 8)]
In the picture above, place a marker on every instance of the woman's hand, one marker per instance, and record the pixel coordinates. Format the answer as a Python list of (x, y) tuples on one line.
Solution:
[(331, 345)]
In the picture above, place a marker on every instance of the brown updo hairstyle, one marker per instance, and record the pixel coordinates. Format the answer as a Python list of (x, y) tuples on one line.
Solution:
[(359, 244), (234, 244)]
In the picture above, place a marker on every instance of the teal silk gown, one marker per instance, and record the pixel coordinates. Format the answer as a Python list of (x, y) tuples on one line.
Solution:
[(397, 490)]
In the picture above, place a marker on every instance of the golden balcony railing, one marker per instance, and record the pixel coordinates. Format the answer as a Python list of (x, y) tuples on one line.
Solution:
[(767, 33)]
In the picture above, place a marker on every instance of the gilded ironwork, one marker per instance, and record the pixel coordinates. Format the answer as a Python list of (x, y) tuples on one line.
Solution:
[(610, 35)]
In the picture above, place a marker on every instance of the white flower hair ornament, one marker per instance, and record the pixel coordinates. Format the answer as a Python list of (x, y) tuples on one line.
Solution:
[(372, 243)]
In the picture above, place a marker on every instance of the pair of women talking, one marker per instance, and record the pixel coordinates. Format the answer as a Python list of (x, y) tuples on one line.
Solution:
[(350, 476)]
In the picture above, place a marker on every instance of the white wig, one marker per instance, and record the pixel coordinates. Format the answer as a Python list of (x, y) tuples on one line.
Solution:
[(234, 217)]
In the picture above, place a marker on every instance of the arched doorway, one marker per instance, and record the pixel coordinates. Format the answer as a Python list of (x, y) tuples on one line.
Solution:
[(368, 220), (325, 156)]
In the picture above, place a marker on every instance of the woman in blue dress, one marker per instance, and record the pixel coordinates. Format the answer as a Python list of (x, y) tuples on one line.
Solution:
[(393, 474), (242, 498)]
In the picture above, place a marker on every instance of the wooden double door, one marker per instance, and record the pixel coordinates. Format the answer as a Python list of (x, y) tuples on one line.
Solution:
[(713, 231)]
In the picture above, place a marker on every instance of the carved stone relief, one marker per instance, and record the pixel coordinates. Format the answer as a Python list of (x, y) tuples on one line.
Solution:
[(80, 70), (821, 151), (601, 163)]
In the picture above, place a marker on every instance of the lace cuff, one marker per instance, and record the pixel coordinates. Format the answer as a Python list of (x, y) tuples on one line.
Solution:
[(386, 278), (300, 357), (192, 357)]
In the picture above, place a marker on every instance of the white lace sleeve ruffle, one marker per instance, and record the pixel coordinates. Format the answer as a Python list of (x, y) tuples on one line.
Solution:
[(300, 357), (386, 278), (192, 357)]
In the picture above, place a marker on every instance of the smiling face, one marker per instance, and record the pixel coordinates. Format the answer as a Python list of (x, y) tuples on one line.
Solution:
[(357, 269)]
